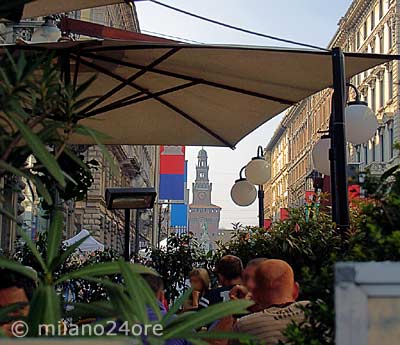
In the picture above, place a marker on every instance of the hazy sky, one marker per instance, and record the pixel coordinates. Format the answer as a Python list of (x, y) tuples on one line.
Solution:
[(310, 21)]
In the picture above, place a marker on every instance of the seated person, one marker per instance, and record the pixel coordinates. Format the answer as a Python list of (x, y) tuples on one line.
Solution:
[(157, 285), (276, 292), (229, 271), (14, 289), (245, 291), (200, 283)]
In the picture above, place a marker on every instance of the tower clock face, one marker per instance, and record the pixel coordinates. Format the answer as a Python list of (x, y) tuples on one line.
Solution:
[(202, 195)]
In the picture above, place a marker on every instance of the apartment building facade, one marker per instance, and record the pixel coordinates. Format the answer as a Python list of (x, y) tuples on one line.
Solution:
[(369, 26)]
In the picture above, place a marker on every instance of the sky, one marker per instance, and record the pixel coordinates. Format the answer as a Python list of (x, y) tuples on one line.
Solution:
[(308, 21)]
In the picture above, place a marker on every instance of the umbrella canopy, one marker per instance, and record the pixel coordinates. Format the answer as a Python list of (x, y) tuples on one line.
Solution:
[(181, 94), (39, 8), (89, 245)]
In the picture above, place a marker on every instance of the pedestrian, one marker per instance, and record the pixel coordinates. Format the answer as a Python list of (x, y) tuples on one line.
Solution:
[(156, 284), (229, 270), (245, 290), (200, 284)]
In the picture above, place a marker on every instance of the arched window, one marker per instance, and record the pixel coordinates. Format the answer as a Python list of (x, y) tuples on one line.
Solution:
[(373, 150), (391, 141), (372, 20)]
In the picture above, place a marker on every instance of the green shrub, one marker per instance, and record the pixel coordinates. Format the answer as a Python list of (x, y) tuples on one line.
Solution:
[(174, 263), (313, 245)]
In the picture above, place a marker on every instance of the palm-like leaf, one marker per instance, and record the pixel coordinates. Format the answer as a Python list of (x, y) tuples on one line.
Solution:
[(101, 269), (54, 235), (27, 175), (45, 309), (32, 247), (59, 260), (38, 148), (177, 329)]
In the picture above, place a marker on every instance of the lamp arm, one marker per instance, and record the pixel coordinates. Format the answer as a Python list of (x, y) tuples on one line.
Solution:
[(355, 90), (260, 151), (241, 172)]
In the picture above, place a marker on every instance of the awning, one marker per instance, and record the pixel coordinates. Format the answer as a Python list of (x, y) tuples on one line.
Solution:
[(39, 8), (181, 94)]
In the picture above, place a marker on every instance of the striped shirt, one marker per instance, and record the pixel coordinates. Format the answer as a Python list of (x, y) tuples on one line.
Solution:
[(267, 325)]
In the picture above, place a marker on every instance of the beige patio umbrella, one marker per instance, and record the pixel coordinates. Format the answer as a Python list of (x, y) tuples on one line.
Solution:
[(39, 8), (181, 94)]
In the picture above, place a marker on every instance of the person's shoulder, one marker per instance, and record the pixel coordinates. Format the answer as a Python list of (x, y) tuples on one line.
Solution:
[(300, 304), (249, 319), (215, 293)]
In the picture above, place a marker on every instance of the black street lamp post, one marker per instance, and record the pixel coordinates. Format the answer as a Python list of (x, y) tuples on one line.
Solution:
[(338, 155), (130, 199), (261, 206)]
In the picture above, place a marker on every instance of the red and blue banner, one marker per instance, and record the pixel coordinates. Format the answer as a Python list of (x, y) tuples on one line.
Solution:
[(179, 212), (172, 173)]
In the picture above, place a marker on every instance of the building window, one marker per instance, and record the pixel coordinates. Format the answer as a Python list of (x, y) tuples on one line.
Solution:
[(373, 100), (390, 36), (382, 143), (390, 81), (358, 39), (381, 43), (372, 20), (382, 91), (358, 150), (391, 142), (380, 9), (373, 150), (366, 154), (365, 30)]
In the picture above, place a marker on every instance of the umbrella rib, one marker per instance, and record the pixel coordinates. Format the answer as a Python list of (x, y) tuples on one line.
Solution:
[(110, 74), (197, 123), (189, 78), (162, 101), (129, 101), (135, 76)]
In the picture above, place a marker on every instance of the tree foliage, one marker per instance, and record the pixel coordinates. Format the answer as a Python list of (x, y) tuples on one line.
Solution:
[(174, 263)]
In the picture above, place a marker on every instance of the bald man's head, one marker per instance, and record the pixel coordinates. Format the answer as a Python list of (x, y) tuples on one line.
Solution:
[(275, 284)]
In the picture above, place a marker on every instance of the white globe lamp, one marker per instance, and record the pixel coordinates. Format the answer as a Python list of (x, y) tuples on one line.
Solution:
[(48, 32), (243, 193), (257, 170), (361, 122), (320, 156)]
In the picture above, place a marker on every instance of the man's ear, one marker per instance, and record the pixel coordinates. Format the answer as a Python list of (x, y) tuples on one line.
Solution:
[(296, 289), (160, 295), (220, 279)]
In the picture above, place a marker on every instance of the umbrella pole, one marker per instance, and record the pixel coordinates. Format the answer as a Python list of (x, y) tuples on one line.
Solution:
[(260, 206), (127, 246), (338, 144), (137, 235)]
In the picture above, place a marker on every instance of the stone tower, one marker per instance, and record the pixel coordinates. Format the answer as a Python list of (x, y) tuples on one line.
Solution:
[(202, 187), (203, 215)]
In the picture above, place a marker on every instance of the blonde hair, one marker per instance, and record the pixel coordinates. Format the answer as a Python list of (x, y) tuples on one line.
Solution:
[(203, 275)]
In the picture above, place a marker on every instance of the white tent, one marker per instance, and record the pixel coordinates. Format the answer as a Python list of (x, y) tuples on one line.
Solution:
[(164, 243), (89, 245)]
